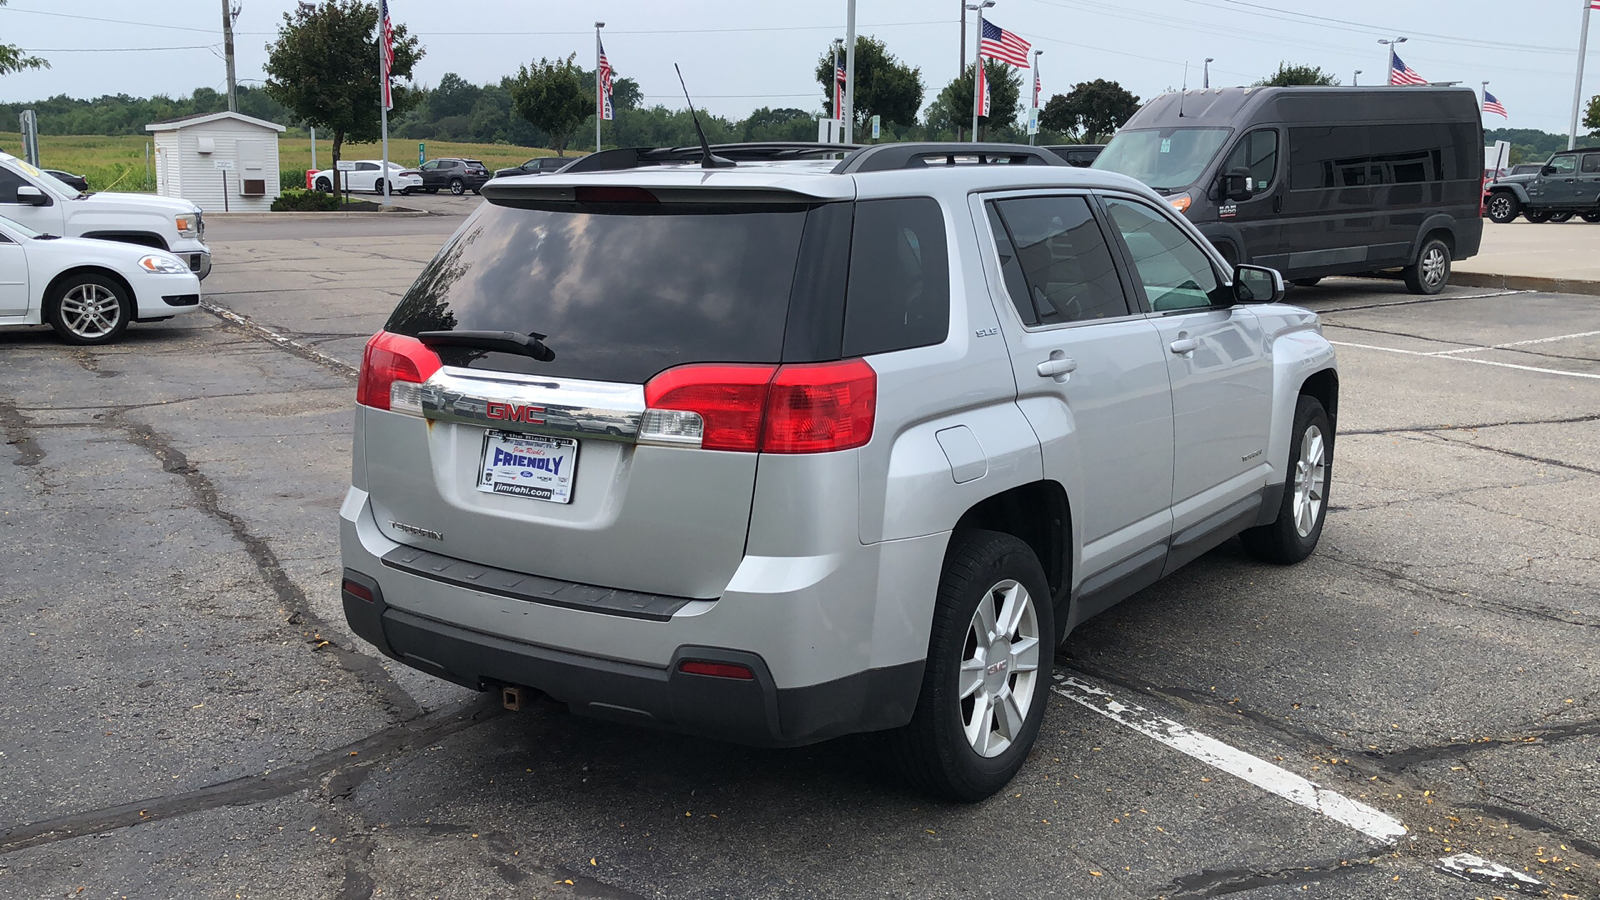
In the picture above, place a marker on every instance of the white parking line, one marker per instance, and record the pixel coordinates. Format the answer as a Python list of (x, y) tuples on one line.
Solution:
[(1548, 340), (1377, 825), (1467, 359)]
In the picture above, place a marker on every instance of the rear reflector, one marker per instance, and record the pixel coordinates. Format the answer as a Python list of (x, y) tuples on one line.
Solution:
[(812, 408), (716, 669), (391, 360), (360, 592)]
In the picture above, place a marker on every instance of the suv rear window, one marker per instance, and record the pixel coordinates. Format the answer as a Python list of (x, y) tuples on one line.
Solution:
[(620, 291)]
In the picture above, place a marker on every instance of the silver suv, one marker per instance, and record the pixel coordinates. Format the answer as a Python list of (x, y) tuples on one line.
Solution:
[(774, 447)]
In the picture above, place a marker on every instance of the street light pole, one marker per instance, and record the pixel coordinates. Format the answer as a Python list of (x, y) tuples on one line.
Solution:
[(977, 68), (1206, 78), (599, 98), (1035, 132), (963, 51), (1577, 85), (1390, 44), (1355, 81), (850, 73)]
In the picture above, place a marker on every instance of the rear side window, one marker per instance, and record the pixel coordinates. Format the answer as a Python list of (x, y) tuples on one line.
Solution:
[(620, 291), (1591, 163), (898, 294), (1057, 265)]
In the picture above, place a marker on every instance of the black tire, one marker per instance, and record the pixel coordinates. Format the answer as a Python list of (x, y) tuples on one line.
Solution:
[(406, 192), (323, 186), (1287, 540), (1537, 217), (1503, 207), (1593, 216), (1562, 216), (377, 187), (933, 750), (1306, 282), (457, 187), (1431, 272), (478, 191), (432, 190), (88, 309)]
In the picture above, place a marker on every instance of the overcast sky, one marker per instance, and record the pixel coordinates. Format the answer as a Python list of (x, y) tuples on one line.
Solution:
[(740, 55)]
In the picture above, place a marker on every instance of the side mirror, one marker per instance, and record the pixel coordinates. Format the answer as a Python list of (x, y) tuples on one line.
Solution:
[(1257, 284), (1236, 185), (1548, 170), (32, 196)]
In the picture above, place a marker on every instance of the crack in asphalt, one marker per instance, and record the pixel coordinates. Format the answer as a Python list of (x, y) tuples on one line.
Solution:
[(15, 427), (1536, 823), (1523, 456), (1446, 299), (285, 344), (248, 789), (1429, 429), (1454, 598), (1462, 345), (1218, 882)]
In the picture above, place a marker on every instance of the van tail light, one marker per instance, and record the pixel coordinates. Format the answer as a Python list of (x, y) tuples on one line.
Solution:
[(810, 408), (391, 366)]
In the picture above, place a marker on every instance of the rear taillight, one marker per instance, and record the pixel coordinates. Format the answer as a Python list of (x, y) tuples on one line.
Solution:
[(390, 367), (812, 408), (717, 669)]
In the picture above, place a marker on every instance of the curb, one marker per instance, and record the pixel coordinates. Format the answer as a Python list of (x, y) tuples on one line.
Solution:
[(397, 213), (1525, 283)]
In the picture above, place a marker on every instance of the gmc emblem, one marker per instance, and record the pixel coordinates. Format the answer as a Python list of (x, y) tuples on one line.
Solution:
[(515, 412)]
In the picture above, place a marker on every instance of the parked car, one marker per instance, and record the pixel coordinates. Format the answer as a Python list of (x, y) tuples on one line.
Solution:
[(864, 448), (88, 290), (1080, 155), (1568, 184), (539, 165), (67, 178), (43, 203), (1317, 181), (457, 175), (368, 178)]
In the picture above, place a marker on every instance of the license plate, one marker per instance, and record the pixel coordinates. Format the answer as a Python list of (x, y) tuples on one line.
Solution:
[(528, 465)]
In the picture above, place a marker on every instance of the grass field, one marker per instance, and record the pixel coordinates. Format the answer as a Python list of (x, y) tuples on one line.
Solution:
[(118, 163)]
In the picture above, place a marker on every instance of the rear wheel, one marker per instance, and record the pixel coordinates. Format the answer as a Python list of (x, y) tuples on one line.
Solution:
[(457, 187), (88, 309), (1305, 492), (1561, 216), (1503, 207), (987, 678), (324, 185), (1431, 271), (1592, 216), (1537, 217), (433, 190), (377, 186)]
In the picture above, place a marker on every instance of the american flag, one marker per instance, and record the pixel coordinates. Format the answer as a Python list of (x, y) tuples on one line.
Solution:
[(1491, 105), (386, 51), (839, 77), (1001, 44), (606, 110), (1404, 74)]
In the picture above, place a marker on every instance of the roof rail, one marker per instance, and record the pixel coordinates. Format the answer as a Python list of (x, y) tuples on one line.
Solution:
[(888, 157), (634, 157)]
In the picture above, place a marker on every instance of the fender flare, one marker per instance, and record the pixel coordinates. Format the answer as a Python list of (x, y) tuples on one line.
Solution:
[(1514, 189), (1436, 222)]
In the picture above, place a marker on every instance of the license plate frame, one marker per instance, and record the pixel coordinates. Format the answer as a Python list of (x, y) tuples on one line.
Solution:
[(534, 466)]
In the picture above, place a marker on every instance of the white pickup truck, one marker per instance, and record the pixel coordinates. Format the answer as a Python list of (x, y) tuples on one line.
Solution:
[(41, 202)]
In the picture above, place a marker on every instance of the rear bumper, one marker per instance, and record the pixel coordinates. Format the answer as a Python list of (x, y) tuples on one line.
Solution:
[(754, 711)]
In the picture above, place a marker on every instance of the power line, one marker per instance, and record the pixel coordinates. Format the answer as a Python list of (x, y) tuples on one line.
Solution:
[(40, 12), (112, 49)]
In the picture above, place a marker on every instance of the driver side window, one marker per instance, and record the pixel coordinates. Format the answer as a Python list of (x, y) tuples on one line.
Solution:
[(430, 165), (1257, 153), (1175, 272), (9, 182), (1565, 165)]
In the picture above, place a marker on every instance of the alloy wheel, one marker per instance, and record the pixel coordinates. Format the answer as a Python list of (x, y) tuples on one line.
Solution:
[(1310, 481), (1500, 208), (999, 665), (90, 311), (1434, 263)]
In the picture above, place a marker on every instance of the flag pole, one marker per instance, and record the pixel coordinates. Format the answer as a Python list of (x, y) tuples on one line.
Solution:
[(977, 75), (599, 97), (1577, 85), (850, 73), (383, 111)]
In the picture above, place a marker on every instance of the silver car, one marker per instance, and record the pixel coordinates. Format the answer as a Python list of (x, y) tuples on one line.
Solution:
[(775, 447)]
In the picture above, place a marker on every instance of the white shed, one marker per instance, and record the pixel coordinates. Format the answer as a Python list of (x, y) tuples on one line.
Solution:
[(197, 155)]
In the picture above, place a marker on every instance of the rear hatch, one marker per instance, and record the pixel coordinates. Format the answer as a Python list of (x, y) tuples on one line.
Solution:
[(528, 457)]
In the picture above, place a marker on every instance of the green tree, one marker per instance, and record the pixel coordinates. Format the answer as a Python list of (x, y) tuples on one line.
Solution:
[(1290, 75), (885, 87), (1091, 111), (953, 107), (454, 96), (324, 67), (553, 97), (766, 124), (15, 59), (1591, 114)]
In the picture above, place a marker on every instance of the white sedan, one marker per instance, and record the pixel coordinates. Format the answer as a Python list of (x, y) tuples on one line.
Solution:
[(368, 178), (88, 290)]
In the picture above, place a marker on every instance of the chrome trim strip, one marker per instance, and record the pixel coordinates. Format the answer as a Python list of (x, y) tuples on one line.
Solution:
[(594, 410)]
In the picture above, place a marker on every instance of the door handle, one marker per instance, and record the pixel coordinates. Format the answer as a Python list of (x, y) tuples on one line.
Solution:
[(1277, 203), (1184, 346), (1057, 366)]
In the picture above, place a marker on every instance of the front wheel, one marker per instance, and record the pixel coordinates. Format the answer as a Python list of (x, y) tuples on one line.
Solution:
[(324, 185), (457, 187), (1536, 217), (89, 309), (987, 678), (1305, 492), (1593, 216), (1431, 271), (1562, 216), (1503, 207)]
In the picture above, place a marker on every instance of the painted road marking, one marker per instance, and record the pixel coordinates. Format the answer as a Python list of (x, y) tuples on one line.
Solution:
[(1468, 359), (1548, 340), (1377, 825), (1482, 871)]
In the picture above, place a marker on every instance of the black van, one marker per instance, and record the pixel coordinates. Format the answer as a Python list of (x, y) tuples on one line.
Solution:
[(1374, 178)]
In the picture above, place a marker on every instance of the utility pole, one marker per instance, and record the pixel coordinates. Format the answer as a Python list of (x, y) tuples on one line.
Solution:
[(1400, 40), (228, 12), (1577, 84), (599, 97), (850, 72), (1034, 132), (963, 51)]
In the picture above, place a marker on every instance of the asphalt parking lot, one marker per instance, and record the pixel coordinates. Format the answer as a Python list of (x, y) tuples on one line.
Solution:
[(184, 714)]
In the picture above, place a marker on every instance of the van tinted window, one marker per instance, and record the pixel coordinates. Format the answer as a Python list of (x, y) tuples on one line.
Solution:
[(899, 289), (620, 291), (1340, 156)]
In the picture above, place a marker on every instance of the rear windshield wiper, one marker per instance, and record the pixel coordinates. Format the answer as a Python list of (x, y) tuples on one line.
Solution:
[(530, 344)]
